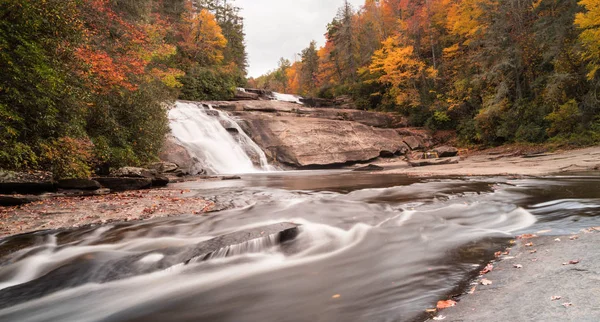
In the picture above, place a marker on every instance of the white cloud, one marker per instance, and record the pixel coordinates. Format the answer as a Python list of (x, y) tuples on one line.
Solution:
[(282, 28)]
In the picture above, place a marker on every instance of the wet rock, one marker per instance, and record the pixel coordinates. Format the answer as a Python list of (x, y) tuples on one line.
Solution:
[(232, 130), (225, 178), (160, 181), (103, 269), (163, 167), (124, 183), (78, 184), (446, 151), (214, 113), (369, 168), (17, 200)]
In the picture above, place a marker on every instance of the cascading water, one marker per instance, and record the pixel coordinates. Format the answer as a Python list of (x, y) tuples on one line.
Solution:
[(215, 140)]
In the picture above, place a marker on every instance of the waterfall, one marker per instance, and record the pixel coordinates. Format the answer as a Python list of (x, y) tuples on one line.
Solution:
[(215, 140)]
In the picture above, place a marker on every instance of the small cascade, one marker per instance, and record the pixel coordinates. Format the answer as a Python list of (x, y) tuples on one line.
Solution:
[(215, 140)]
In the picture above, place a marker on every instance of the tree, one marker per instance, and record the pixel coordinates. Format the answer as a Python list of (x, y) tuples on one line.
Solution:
[(310, 68), (589, 22)]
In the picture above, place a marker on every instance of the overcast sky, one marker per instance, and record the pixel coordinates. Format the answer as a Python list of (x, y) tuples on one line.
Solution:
[(282, 28)]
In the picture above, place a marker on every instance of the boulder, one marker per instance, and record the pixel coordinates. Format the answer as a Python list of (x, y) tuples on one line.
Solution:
[(124, 184), (133, 172), (314, 142), (17, 200), (78, 184), (244, 95), (446, 151), (173, 152), (414, 142), (160, 181), (26, 182), (163, 167), (369, 168)]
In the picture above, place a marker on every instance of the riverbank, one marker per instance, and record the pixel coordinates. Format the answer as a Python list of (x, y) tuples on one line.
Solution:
[(73, 212), (545, 278), (505, 163)]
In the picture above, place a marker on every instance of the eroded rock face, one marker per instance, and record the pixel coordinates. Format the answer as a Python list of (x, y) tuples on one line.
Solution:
[(304, 141), (174, 153)]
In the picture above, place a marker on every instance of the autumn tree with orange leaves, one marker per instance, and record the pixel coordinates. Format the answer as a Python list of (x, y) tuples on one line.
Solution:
[(493, 71)]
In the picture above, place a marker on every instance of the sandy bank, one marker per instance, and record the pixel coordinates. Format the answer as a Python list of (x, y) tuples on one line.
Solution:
[(487, 164)]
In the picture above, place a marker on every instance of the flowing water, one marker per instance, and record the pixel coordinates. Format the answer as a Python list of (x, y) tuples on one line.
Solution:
[(215, 140), (370, 248)]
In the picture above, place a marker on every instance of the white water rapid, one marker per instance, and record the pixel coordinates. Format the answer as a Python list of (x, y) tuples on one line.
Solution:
[(215, 140)]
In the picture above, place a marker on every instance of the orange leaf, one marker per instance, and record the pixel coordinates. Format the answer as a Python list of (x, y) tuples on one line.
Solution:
[(445, 304)]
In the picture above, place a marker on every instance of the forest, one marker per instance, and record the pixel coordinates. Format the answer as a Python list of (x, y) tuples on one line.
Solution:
[(494, 71), (85, 83)]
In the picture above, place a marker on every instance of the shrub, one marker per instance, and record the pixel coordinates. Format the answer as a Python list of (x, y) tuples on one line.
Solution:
[(68, 158), (565, 119)]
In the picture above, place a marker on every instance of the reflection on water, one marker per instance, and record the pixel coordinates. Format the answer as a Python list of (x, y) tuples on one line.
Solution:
[(370, 248)]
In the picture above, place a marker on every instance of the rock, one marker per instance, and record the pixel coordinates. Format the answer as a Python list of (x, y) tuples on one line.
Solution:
[(232, 130), (369, 168), (124, 184), (225, 178), (446, 151), (428, 162), (214, 113), (305, 141), (163, 167), (25, 182), (17, 200), (173, 152), (78, 184), (414, 142), (244, 95), (133, 172), (160, 181)]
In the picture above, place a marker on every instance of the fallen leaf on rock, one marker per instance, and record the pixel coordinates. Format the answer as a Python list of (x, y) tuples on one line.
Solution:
[(431, 310), (439, 318), (337, 296), (473, 289), (527, 236), (556, 298), (497, 254), (534, 259), (529, 245), (445, 304), (485, 281), (544, 231), (533, 251), (574, 237), (557, 240), (518, 266), (573, 262), (488, 268), (567, 304)]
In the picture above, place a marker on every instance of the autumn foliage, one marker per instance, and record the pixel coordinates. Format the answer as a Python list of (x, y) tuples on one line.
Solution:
[(494, 71), (83, 83)]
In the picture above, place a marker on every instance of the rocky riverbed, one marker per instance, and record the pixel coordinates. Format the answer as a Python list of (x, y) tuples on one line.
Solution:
[(72, 212)]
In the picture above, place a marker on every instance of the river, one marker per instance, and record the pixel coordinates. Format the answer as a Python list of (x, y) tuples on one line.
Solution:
[(370, 248)]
